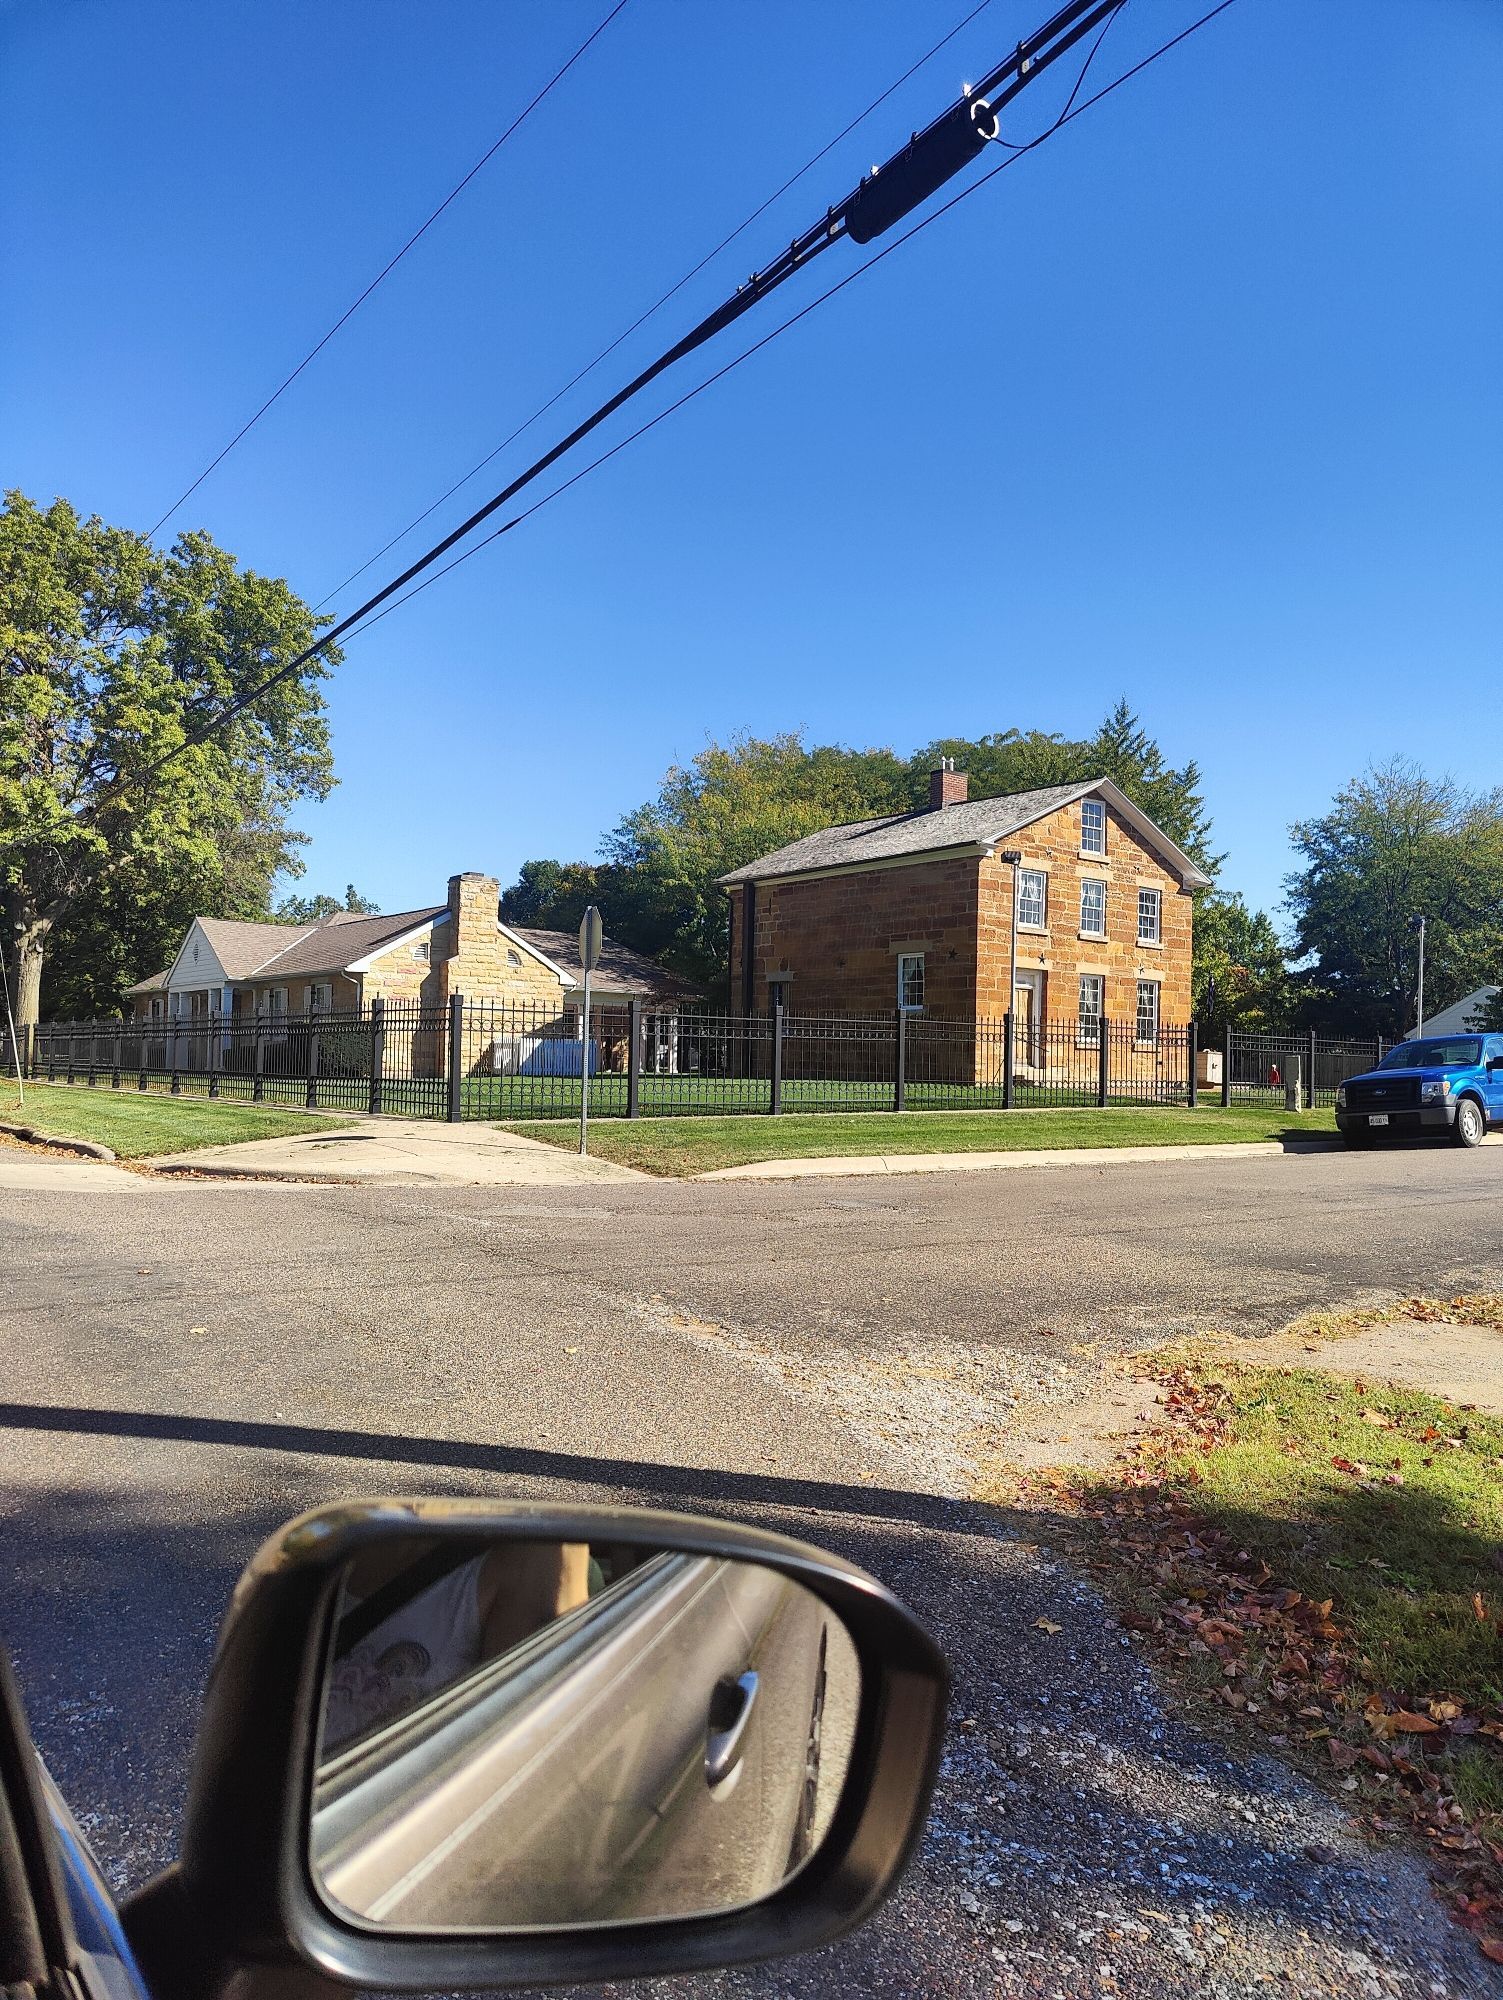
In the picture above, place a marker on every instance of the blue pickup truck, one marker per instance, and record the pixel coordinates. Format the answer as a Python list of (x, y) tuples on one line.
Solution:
[(1443, 1083)]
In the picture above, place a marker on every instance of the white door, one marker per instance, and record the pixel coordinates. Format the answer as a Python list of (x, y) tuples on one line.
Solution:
[(1028, 1015)]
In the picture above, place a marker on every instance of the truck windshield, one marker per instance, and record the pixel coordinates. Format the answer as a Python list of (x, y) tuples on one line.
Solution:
[(1455, 1052)]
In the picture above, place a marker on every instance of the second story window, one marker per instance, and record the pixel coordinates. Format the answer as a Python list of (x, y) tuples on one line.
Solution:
[(1033, 898), (1093, 908), (1092, 827), (911, 982), (1150, 916)]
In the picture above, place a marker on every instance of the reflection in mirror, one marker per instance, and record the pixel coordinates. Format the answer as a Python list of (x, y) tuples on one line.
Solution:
[(536, 1734)]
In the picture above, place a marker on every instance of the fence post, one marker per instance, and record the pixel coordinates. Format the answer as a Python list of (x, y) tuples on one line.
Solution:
[(176, 1085), (28, 1050), (634, 1058), (115, 1070), (214, 1053), (1009, 1061), (456, 1054), (1103, 1062), (1380, 1051), (899, 1060), (1226, 1069), (258, 1060), (776, 1100), (1192, 1051), (378, 1054), (312, 1099), (93, 1049), (1310, 1087)]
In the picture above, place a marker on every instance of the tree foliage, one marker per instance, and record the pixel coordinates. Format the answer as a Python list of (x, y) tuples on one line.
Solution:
[(1396, 845), (111, 652), (1240, 979), (308, 909), (655, 887)]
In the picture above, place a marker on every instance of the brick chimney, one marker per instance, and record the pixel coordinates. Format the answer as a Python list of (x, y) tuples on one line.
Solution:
[(947, 786)]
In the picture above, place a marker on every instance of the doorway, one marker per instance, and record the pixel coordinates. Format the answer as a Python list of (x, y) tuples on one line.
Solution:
[(1028, 1017)]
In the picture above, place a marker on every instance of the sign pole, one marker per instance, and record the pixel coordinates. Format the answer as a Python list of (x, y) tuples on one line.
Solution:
[(591, 937), (584, 1070)]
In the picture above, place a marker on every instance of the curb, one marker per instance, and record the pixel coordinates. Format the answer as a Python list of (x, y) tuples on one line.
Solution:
[(88, 1147), (833, 1167), (212, 1170)]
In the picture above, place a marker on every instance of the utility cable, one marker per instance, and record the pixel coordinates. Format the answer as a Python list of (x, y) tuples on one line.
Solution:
[(386, 271), (672, 291), (1028, 146), (362, 619)]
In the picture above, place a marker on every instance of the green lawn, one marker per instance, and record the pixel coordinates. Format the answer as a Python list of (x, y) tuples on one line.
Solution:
[(678, 1146), (1321, 1557), (133, 1124)]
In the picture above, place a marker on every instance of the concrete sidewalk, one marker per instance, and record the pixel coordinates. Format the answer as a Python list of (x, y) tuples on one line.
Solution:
[(412, 1150)]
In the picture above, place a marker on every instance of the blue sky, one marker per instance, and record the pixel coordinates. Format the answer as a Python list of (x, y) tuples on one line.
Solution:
[(1202, 403)]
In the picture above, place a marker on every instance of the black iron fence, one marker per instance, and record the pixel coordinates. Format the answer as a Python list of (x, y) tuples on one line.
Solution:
[(479, 1059), (1266, 1068)]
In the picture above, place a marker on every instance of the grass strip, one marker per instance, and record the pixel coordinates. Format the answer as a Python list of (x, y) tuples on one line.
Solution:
[(1324, 1559), (682, 1146), (135, 1125)]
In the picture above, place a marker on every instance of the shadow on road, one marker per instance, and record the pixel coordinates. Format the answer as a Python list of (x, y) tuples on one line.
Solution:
[(1065, 1783)]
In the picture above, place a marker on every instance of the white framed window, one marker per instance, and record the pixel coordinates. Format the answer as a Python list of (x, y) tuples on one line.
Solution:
[(156, 1010), (1093, 907), (1150, 916), (276, 1000), (1033, 898), (911, 981), (1148, 1012), (1092, 1000), (321, 996), (1092, 826)]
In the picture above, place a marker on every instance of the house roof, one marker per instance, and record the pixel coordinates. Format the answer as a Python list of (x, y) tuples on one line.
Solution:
[(336, 942), (975, 827), (241, 947), (621, 970), (154, 984), (1457, 1019)]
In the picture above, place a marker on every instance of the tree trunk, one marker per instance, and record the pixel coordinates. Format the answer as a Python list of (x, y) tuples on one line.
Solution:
[(25, 947)]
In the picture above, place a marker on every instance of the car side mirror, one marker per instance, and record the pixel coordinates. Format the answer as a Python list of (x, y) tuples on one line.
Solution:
[(459, 1744)]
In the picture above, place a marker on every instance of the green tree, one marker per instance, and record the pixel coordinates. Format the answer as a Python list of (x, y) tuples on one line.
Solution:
[(1240, 978), (308, 909), (112, 652), (731, 803), (1396, 845), (1119, 749)]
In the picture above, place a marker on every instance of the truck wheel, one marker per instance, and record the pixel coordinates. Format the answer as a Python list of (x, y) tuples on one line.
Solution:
[(1470, 1124)]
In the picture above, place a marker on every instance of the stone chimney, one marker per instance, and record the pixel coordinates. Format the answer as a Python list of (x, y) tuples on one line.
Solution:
[(947, 786), (472, 946)]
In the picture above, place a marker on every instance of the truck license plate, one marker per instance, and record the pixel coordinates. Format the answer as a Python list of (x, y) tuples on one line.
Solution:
[(1378, 1118)]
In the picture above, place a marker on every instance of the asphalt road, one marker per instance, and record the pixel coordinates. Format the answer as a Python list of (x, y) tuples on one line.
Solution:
[(187, 1364)]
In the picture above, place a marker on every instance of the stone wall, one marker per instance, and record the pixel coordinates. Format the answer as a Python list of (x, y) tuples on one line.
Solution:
[(1059, 950)]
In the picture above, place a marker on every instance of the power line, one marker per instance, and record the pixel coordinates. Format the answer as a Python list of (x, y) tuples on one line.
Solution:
[(361, 619), (1068, 116), (386, 271), (642, 318)]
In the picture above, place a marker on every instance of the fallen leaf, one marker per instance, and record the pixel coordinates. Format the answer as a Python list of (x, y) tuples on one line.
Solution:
[(1046, 1625), (198, 1329), (1479, 1607), (1492, 1947), (571, 1350), (1377, 1417), (1407, 1723)]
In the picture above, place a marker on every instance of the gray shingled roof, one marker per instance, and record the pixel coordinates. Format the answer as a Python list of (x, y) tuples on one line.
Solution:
[(978, 824), (241, 947), (335, 942), (621, 970), (154, 984)]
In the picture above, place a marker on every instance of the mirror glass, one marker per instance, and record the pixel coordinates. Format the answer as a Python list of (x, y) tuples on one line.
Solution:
[(520, 1735)]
